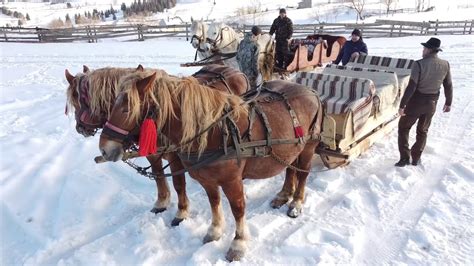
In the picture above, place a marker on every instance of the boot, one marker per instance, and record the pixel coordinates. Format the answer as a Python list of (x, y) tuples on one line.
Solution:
[(416, 162), (402, 163)]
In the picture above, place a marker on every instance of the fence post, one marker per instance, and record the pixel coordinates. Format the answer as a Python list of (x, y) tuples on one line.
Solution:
[(321, 29), (6, 37), (38, 31), (436, 27), (400, 31), (187, 31), (140, 32), (422, 26), (464, 29), (470, 28), (95, 35), (391, 30)]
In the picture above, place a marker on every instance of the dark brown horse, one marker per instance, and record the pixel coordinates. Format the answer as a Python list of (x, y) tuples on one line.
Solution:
[(92, 93), (185, 110)]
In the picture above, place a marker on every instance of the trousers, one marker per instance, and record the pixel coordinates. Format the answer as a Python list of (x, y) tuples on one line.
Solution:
[(419, 109)]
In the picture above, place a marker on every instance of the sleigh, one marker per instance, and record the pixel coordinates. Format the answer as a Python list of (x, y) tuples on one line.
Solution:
[(361, 102), (314, 51)]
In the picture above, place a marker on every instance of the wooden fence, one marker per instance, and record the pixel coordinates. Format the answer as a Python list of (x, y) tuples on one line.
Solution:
[(141, 32)]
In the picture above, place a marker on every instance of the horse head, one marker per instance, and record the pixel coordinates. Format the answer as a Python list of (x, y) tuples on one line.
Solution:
[(198, 34), (126, 114), (221, 38), (88, 93)]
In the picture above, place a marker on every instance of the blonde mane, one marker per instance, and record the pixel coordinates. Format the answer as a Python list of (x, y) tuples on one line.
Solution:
[(200, 106), (103, 88)]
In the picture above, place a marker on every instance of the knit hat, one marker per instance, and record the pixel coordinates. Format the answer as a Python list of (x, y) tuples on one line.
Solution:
[(357, 32), (256, 30), (282, 11)]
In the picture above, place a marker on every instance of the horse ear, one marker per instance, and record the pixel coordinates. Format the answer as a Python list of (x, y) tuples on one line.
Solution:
[(85, 69), (146, 83), (69, 77), (140, 68)]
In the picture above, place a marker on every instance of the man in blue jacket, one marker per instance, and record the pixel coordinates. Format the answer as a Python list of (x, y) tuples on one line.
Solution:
[(355, 47)]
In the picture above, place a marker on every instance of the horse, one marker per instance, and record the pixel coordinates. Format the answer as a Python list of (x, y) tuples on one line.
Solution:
[(92, 93), (222, 42), (198, 39), (194, 117)]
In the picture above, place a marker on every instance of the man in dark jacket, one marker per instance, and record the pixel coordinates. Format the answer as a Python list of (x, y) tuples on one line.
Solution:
[(420, 98), (283, 29), (355, 47)]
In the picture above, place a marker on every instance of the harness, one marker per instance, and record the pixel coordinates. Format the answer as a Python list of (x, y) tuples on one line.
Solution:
[(241, 146)]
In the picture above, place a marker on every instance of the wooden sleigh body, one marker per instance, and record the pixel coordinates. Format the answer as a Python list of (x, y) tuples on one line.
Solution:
[(361, 103), (326, 49)]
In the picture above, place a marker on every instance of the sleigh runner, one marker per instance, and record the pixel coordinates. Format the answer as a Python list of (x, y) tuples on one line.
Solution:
[(360, 102)]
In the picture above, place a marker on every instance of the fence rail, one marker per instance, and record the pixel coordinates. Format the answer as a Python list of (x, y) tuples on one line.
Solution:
[(141, 32)]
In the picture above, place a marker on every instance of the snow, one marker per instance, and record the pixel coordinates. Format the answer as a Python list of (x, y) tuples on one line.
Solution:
[(60, 208)]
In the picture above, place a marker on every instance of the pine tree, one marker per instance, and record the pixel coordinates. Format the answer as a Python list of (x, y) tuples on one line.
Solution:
[(68, 20), (27, 16), (123, 7)]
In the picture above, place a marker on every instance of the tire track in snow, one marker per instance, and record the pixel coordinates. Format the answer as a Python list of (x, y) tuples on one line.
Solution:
[(384, 242)]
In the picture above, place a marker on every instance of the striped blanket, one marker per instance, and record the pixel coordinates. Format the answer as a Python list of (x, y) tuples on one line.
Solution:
[(401, 66), (386, 83), (341, 94)]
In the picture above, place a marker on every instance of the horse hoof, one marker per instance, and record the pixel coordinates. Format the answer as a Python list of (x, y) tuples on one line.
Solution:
[(156, 210), (293, 212), (277, 203), (176, 221), (208, 238), (234, 255)]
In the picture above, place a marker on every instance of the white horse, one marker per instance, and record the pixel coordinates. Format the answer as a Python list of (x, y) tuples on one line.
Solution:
[(198, 38), (222, 41), (266, 56)]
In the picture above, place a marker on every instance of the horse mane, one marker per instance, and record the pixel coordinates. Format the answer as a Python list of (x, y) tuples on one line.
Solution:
[(200, 106), (103, 88)]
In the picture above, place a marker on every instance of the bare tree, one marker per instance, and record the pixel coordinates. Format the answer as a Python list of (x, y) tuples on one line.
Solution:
[(358, 6), (390, 4), (419, 5)]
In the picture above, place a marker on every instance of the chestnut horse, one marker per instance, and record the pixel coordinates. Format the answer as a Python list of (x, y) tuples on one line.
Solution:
[(92, 94), (191, 116)]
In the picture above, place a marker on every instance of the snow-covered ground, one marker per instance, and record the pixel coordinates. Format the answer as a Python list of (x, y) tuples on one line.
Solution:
[(60, 208)]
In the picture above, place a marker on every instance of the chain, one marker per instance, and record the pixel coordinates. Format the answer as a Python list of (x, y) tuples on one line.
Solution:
[(283, 162)]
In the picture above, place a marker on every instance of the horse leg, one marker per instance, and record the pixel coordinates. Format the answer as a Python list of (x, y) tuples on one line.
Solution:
[(179, 183), (217, 226), (162, 187), (287, 190), (234, 192), (303, 162)]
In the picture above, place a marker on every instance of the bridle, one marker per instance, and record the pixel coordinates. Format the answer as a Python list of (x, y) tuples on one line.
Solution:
[(200, 39), (219, 40), (84, 117)]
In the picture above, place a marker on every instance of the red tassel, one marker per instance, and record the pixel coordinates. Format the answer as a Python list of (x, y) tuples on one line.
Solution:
[(299, 133), (148, 138)]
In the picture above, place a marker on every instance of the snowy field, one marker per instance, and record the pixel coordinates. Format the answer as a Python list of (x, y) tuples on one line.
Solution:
[(60, 208)]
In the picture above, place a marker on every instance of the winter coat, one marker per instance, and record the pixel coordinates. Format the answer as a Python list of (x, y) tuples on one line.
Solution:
[(247, 56), (283, 27), (349, 48), (426, 78)]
